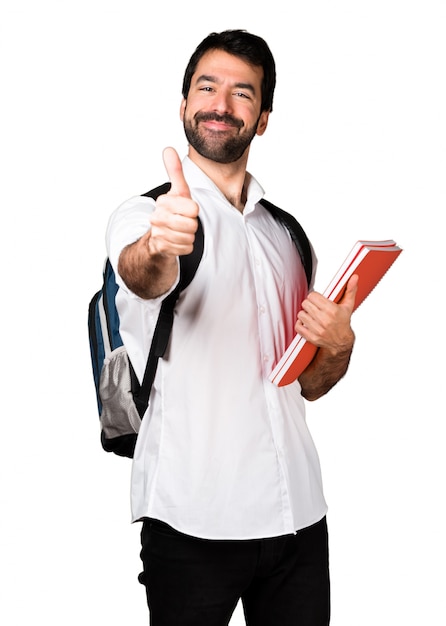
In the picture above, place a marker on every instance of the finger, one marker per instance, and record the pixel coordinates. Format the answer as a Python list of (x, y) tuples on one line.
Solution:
[(349, 296), (174, 170)]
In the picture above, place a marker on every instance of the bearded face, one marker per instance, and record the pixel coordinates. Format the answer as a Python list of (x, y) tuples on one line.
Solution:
[(223, 109)]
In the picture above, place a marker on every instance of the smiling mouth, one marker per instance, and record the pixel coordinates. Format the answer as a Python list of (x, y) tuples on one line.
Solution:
[(219, 123), (219, 127)]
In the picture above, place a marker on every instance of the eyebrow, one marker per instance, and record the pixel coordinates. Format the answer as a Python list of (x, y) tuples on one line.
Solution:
[(207, 78)]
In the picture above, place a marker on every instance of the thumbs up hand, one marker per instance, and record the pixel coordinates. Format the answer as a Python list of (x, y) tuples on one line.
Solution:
[(174, 220)]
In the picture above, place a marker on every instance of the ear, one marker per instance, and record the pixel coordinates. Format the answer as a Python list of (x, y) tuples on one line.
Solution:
[(182, 108), (262, 123)]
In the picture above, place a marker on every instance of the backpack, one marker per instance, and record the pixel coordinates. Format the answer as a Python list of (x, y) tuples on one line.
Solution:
[(122, 400)]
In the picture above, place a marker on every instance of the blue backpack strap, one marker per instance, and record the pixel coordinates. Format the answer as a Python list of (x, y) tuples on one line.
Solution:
[(297, 233), (103, 324)]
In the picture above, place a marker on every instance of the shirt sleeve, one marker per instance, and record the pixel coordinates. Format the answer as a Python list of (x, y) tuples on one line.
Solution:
[(129, 222)]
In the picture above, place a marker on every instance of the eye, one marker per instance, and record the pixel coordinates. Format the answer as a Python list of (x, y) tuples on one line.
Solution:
[(242, 94), (206, 88)]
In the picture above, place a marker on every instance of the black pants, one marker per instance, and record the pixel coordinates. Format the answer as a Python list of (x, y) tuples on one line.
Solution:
[(282, 581)]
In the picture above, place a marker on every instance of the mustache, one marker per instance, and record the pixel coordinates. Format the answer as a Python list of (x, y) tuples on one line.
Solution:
[(226, 118)]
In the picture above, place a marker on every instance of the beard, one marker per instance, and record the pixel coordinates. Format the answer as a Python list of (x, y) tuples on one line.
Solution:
[(218, 146)]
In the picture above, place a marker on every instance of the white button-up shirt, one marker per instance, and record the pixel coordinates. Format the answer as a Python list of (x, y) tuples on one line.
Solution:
[(222, 453)]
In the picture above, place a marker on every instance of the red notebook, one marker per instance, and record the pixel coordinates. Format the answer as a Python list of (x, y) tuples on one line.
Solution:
[(370, 260)]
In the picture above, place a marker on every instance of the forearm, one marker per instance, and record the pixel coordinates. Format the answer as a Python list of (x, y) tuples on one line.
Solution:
[(325, 370), (147, 273)]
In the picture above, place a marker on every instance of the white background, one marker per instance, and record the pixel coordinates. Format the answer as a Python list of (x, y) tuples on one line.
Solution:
[(90, 93)]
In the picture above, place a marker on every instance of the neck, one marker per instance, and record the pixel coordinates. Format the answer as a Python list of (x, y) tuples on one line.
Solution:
[(229, 177)]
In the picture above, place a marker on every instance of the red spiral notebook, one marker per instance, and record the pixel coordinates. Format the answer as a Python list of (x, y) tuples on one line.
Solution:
[(370, 260)]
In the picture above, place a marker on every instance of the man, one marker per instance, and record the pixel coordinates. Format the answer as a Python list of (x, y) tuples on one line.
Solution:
[(225, 477)]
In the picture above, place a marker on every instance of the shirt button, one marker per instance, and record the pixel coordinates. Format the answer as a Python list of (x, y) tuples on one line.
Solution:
[(261, 309)]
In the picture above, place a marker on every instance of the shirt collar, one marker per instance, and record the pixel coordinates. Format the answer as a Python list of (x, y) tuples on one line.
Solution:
[(197, 179)]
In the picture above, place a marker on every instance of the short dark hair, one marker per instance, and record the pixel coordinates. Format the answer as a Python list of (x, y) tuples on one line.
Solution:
[(240, 43)]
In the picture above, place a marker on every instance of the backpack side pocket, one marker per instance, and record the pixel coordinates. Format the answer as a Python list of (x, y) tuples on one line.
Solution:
[(119, 415)]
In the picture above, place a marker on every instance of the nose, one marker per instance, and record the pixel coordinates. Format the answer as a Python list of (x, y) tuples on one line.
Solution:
[(222, 102)]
